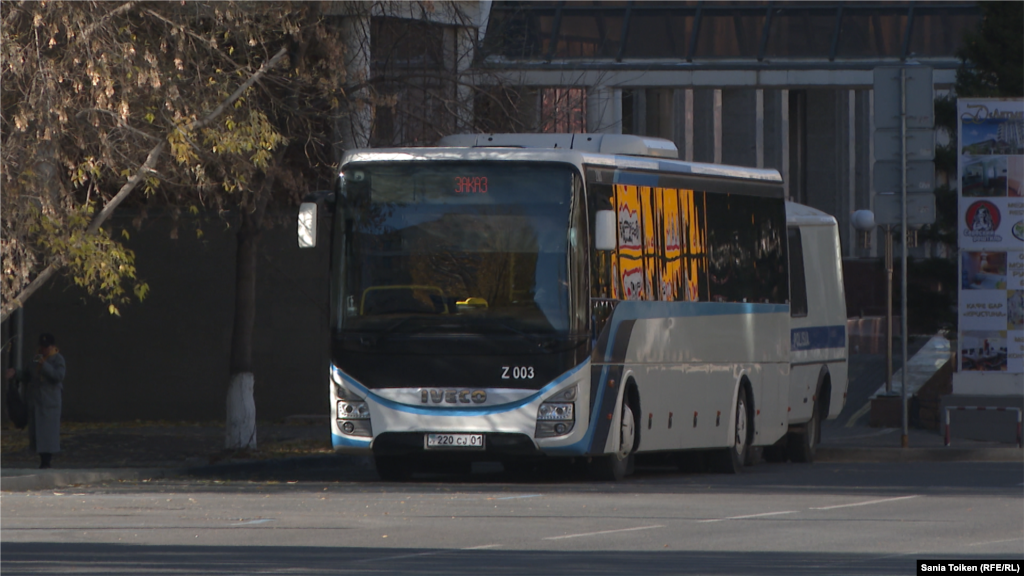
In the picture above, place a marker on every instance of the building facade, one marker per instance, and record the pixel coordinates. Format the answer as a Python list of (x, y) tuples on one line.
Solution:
[(784, 85)]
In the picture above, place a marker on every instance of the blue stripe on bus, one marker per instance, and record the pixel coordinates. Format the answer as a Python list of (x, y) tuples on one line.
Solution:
[(641, 310), (468, 411), (817, 337), (348, 442)]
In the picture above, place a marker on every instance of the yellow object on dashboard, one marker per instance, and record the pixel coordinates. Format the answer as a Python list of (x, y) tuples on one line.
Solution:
[(474, 302)]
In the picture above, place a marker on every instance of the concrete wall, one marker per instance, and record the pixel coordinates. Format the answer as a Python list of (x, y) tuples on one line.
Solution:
[(739, 125), (704, 125), (167, 357)]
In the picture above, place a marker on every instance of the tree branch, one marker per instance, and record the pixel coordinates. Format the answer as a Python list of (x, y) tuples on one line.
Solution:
[(84, 36), (120, 122), (13, 13), (241, 90), (148, 166), (19, 300)]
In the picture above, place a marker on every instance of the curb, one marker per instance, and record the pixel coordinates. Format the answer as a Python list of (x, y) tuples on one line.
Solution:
[(279, 464), (47, 480), (945, 454)]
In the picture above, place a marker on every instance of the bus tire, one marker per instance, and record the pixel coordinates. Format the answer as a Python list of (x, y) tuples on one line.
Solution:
[(731, 460), (803, 445), (392, 468), (615, 467)]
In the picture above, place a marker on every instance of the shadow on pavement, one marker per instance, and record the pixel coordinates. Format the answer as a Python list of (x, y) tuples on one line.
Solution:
[(352, 474), (36, 558)]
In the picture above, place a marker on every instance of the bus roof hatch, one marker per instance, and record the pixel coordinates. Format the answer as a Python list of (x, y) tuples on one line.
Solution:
[(626, 144)]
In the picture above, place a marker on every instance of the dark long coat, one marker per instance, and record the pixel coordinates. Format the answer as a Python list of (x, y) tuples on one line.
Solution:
[(44, 401)]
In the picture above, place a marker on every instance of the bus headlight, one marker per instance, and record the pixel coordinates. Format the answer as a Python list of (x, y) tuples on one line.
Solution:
[(353, 410), (555, 419), (354, 418), (555, 411)]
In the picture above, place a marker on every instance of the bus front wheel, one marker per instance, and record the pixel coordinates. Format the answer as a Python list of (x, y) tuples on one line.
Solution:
[(615, 467)]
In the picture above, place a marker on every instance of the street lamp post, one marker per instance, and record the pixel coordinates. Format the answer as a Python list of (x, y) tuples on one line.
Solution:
[(864, 220)]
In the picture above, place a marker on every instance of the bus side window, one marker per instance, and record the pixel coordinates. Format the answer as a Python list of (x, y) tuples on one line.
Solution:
[(797, 282)]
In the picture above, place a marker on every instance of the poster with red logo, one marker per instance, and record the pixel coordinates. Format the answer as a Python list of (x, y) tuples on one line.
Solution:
[(990, 228)]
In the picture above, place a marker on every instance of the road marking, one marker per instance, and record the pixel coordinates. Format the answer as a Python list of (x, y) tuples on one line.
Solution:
[(399, 557), (517, 497), (603, 532), (744, 517), (430, 553), (995, 542), (250, 522), (856, 415), (869, 502)]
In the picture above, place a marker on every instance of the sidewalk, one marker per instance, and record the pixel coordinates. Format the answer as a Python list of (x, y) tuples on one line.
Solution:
[(96, 453), (102, 452), (864, 444)]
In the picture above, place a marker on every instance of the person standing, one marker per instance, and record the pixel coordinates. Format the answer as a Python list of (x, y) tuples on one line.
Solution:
[(44, 389)]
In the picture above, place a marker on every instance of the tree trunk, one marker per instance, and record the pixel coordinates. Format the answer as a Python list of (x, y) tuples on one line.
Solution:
[(241, 408)]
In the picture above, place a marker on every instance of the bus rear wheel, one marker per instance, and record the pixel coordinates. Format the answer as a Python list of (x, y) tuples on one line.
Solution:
[(615, 467), (731, 460)]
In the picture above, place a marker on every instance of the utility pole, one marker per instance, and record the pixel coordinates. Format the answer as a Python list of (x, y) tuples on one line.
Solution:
[(904, 440), (904, 177)]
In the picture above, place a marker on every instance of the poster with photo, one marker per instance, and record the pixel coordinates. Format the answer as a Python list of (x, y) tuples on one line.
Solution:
[(1015, 176), (983, 351), (984, 176), (990, 229), (983, 270), (991, 223)]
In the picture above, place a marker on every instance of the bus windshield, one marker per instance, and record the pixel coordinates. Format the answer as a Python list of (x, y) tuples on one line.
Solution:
[(448, 248)]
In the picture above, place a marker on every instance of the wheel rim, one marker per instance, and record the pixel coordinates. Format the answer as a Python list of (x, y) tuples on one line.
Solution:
[(741, 425), (627, 433)]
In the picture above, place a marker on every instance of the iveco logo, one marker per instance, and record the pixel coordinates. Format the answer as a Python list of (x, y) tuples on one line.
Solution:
[(452, 396)]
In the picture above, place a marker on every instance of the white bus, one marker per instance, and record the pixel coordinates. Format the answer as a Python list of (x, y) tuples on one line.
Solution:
[(515, 297)]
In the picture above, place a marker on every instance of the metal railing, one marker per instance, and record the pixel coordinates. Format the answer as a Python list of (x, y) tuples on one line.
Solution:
[(982, 409)]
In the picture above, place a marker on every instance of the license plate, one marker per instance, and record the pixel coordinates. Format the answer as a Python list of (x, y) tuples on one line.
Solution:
[(454, 441)]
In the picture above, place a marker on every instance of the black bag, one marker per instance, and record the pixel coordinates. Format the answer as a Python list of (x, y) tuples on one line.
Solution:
[(17, 410)]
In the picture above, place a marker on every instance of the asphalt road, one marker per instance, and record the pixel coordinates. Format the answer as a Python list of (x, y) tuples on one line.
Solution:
[(772, 519)]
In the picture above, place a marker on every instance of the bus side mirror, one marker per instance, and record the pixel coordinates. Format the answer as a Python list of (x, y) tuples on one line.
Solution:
[(307, 225), (605, 237)]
